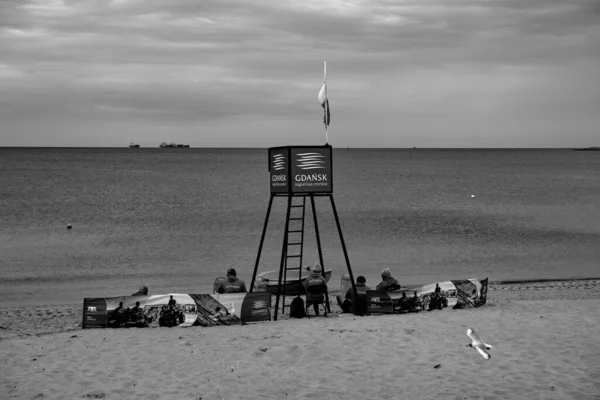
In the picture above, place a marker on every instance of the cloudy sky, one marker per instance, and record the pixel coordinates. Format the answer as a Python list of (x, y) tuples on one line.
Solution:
[(402, 73)]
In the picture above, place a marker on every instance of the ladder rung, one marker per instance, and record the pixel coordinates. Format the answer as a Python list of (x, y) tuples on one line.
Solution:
[(293, 269), (294, 256), (298, 205), (294, 244)]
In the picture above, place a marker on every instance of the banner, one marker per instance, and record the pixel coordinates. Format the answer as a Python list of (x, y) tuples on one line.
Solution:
[(181, 310), (456, 294), (471, 293)]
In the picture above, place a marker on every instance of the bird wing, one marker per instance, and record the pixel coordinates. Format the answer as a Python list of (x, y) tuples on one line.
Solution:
[(474, 337), (484, 353)]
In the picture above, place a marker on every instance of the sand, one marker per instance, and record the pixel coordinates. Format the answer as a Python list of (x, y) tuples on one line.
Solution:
[(546, 340)]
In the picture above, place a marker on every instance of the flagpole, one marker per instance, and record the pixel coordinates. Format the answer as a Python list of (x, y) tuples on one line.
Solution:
[(326, 100)]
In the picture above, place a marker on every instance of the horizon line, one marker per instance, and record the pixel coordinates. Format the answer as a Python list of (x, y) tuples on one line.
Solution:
[(303, 145)]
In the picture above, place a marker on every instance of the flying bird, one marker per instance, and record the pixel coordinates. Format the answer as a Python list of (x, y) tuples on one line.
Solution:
[(478, 344)]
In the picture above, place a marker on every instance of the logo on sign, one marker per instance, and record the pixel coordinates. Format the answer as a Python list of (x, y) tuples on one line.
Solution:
[(260, 304), (310, 161), (91, 309), (278, 162)]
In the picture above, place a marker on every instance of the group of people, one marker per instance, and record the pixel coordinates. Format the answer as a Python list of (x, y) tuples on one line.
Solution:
[(315, 286), (409, 304), (390, 284), (129, 316), (169, 315)]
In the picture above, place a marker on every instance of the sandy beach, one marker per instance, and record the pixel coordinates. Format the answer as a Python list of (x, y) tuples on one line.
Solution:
[(545, 338)]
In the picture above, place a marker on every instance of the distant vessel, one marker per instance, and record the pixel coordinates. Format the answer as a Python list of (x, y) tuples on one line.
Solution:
[(133, 145), (588, 149), (164, 145)]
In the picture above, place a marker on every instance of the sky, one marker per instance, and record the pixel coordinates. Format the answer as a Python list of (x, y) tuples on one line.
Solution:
[(400, 73)]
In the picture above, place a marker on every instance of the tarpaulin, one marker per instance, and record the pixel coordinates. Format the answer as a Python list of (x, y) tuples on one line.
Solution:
[(468, 293), (177, 310)]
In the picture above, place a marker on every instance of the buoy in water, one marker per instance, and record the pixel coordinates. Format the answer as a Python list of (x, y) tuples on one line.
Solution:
[(69, 226)]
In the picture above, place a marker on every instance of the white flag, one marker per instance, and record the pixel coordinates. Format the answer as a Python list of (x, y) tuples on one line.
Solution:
[(322, 97)]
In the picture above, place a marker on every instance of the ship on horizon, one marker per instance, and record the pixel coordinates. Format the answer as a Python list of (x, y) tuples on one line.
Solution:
[(164, 145), (594, 148), (133, 145)]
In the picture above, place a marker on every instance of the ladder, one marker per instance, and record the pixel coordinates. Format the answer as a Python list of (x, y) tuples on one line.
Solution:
[(294, 243)]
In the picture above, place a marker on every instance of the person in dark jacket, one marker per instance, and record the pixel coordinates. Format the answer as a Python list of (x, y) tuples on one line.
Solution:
[(388, 283), (233, 283), (119, 315), (415, 302), (345, 302), (315, 286), (404, 303), (137, 313)]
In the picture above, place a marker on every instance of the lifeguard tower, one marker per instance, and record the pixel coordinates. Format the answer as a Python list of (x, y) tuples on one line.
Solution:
[(299, 172)]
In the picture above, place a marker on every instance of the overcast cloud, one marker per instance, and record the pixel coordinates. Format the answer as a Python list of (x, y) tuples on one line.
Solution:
[(425, 73)]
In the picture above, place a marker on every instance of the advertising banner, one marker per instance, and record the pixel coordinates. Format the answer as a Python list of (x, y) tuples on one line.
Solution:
[(301, 169), (311, 170), (182, 310), (279, 170), (456, 294)]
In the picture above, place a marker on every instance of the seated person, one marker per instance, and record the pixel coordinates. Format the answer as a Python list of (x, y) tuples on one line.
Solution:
[(142, 291), (136, 313), (315, 287), (388, 283), (233, 284), (345, 302), (119, 315), (219, 313), (164, 310), (415, 302), (403, 303)]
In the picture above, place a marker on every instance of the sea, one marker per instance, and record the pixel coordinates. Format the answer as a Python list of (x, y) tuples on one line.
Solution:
[(175, 219)]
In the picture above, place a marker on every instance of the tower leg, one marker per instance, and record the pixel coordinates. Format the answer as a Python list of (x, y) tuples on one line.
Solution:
[(262, 241), (339, 227), (283, 254), (314, 211)]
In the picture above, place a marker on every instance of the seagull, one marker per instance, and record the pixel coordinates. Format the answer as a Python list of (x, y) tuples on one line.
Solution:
[(478, 344)]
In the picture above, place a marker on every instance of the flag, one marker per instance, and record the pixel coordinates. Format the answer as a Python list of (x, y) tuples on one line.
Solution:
[(325, 104)]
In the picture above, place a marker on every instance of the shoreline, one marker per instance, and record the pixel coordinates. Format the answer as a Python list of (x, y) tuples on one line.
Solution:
[(333, 285), (542, 280)]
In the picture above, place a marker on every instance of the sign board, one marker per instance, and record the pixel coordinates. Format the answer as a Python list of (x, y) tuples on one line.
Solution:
[(301, 169), (279, 171)]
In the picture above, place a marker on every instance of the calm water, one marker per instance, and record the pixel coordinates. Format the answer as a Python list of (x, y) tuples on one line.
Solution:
[(174, 219)]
